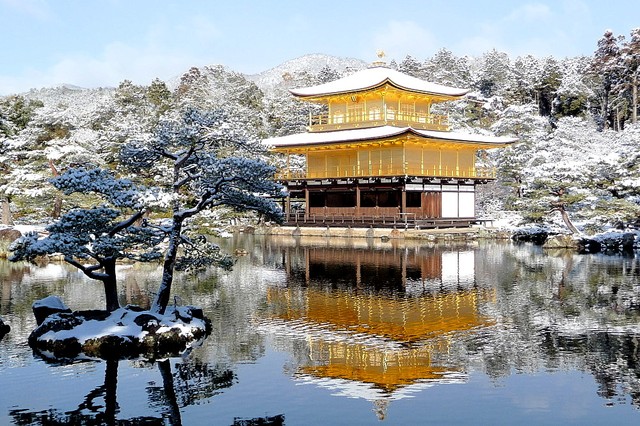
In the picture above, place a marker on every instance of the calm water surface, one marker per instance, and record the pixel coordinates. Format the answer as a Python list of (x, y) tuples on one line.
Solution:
[(326, 331)]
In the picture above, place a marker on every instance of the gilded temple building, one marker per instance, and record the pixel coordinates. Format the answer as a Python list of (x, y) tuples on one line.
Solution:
[(381, 155)]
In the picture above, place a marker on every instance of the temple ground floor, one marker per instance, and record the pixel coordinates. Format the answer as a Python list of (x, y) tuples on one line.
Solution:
[(391, 202)]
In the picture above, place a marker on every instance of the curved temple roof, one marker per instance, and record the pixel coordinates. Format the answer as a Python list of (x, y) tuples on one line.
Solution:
[(374, 77), (374, 133)]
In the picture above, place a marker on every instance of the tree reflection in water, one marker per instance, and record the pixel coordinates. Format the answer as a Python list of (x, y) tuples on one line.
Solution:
[(547, 311), (192, 382), (387, 321)]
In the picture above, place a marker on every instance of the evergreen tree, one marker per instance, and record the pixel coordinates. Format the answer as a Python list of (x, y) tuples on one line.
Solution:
[(189, 148), (573, 94), (630, 58), (412, 67), (606, 65), (447, 69), (327, 74), (159, 95), (525, 77), (548, 85), (493, 76), (95, 239)]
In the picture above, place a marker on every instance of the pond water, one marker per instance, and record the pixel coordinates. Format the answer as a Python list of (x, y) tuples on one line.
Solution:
[(327, 331)]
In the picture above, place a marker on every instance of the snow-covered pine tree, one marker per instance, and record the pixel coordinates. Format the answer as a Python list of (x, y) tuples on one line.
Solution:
[(447, 69), (492, 77), (606, 66), (189, 148), (630, 58), (94, 239), (16, 114), (412, 67)]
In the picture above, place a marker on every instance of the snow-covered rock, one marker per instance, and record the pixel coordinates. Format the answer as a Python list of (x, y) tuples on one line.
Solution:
[(609, 242), (128, 332), (48, 306)]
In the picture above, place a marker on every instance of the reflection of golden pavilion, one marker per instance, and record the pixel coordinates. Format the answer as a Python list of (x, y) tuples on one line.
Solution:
[(377, 344), (387, 370), (400, 319), (390, 266)]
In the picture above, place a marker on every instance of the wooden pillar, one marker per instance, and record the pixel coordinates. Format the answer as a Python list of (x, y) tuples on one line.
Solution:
[(357, 200), (403, 205), (288, 172), (287, 206), (307, 207), (307, 264)]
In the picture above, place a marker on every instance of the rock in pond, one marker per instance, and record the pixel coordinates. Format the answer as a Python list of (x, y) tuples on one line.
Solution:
[(128, 332), (560, 241)]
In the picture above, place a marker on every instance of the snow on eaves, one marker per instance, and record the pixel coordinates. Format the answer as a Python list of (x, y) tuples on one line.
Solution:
[(373, 133), (374, 77)]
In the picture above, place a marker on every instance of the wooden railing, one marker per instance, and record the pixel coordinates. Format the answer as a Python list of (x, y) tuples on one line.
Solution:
[(400, 220), (326, 122), (388, 171)]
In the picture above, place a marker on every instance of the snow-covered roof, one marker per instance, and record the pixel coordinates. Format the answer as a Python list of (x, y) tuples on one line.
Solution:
[(373, 133), (374, 77)]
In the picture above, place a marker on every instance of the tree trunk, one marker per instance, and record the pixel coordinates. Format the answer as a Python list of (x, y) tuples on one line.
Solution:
[(170, 393), (634, 103), (57, 203), (605, 108), (162, 298), (111, 391), (7, 217), (57, 207), (110, 286), (567, 221)]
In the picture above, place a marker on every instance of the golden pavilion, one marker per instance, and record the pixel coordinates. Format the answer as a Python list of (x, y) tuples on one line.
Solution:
[(380, 155)]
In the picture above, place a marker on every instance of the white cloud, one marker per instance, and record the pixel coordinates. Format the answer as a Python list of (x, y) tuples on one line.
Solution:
[(165, 51), (535, 12), (114, 64), (38, 9), (534, 28)]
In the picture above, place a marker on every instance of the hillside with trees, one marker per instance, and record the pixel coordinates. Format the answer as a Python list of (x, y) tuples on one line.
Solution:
[(576, 162)]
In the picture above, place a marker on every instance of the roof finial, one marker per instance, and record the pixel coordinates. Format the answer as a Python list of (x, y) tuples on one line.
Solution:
[(380, 62)]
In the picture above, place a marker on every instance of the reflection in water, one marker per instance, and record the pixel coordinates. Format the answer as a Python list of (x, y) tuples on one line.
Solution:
[(192, 382), (378, 323)]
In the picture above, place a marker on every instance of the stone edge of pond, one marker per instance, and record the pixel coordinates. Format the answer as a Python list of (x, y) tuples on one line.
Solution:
[(443, 234)]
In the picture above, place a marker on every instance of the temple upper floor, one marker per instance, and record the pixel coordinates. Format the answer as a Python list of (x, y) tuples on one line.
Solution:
[(378, 96), (378, 109)]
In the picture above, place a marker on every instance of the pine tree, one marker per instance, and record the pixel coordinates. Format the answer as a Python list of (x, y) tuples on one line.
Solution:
[(605, 65), (525, 77), (445, 68), (189, 148), (548, 85), (412, 67), (327, 74), (630, 54), (493, 76)]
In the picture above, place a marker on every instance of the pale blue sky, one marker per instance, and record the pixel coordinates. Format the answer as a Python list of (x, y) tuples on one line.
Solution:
[(92, 43)]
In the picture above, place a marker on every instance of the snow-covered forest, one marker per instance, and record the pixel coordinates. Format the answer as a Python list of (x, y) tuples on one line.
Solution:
[(575, 119)]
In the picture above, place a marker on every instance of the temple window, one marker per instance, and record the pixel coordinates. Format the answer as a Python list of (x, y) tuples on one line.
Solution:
[(391, 114), (374, 113), (338, 117)]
